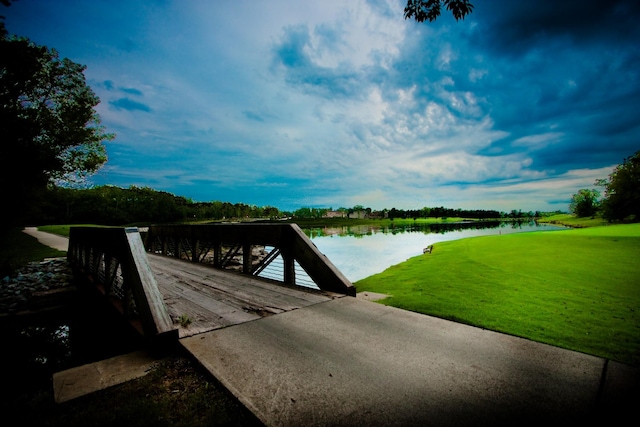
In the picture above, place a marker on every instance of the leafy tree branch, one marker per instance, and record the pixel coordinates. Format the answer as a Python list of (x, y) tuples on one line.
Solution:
[(423, 10)]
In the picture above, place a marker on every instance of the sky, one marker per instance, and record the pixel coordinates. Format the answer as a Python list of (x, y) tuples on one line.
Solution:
[(340, 103)]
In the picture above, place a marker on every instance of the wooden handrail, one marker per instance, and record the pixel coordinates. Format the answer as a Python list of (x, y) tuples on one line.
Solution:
[(115, 261), (195, 242)]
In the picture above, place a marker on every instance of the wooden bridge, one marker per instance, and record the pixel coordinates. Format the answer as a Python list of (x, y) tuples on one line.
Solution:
[(335, 360), (176, 281)]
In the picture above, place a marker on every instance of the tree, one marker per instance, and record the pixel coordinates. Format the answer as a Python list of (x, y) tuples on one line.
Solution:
[(622, 190), (421, 10), (585, 203), (51, 132)]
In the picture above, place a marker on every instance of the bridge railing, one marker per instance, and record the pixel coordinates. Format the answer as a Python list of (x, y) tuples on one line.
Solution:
[(275, 251), (114, 260)]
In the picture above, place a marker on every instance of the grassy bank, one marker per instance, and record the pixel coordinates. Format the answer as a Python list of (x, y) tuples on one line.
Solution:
[(63, 230), (383, 222), (578, 289), (574, 221), (305, 223), (18, 248)]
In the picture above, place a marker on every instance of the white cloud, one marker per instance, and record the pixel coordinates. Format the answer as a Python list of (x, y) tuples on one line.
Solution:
[(538, 141), (477, 74), (445, 57)]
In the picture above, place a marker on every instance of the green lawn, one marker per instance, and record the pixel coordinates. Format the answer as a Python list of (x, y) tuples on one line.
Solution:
[(578, 289)]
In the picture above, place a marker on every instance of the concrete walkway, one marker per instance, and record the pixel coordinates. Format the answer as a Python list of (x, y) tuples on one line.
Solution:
[(52, 240), (354, 362), (82, 380)]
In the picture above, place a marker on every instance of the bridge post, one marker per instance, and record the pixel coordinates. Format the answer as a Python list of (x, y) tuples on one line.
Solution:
[(247, 255), (109, 272), (139, 279), (286, 250), (127, 281), (164, 244), (179, 247), (217, 249), (289, 270), (195, 249)]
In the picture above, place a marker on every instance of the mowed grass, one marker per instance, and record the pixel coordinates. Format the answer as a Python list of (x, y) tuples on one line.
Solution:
[(578, 289), (63, 230)]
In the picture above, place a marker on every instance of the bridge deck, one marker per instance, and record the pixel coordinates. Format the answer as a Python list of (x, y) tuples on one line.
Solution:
[(213, 298)]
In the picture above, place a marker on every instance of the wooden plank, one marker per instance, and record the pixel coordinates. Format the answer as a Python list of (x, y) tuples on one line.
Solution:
[(201, 320), (211, 302), (257, 291), (229, 299), (203, 316), (214, 298)]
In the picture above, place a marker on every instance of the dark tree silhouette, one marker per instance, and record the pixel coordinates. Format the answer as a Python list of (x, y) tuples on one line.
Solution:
[(50, 130), (585, 202), (422, 10), (622, 190)]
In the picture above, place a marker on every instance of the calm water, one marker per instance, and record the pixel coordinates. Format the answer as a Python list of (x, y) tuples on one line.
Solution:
[(361, 251)]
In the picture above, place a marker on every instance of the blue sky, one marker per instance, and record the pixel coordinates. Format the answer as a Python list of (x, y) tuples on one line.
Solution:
[(342, 103)]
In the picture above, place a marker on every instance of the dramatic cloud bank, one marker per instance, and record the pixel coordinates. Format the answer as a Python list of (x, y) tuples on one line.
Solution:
[(338, 103)]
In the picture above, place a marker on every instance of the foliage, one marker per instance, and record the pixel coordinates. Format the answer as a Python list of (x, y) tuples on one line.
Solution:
[(306, 212), (51, 131), (576, 289), (422, 10), (622, 190), (442, 212), (585, 202), (111, 205), (184, 320)]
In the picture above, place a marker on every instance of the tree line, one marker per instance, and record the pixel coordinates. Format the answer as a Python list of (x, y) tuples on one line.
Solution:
[(360, 211), (442, 212), (621, 198), (111, 205)]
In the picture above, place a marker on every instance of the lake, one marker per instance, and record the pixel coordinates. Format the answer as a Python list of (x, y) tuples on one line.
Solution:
[(362, 251)]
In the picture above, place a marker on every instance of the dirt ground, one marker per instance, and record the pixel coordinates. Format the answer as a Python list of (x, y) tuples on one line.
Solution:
[(176, 392)]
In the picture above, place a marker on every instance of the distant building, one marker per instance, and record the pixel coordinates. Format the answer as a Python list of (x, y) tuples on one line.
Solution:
[(359, 215), (335, 214)]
